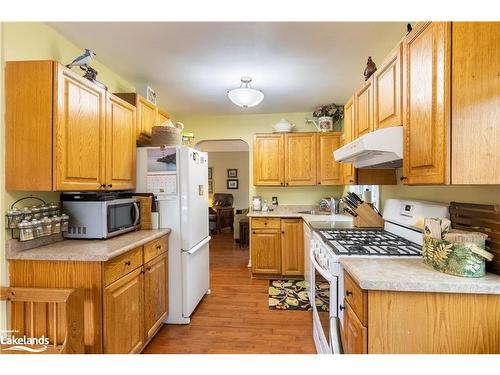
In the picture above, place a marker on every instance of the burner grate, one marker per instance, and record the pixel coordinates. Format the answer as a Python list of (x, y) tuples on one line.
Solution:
[(369, 242)]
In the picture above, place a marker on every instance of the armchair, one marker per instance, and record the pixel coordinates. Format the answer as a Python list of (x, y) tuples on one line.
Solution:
[(223, 206)]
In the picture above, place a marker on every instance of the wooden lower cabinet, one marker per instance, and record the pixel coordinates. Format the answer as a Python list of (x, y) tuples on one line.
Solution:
[(355, 334), (155, 294), (266, 251), (123, 312), (125, 303), (400, 322), (276, 247), (292, 242)]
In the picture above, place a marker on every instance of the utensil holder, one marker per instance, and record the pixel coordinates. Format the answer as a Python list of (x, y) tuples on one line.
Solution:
[(367, 217)]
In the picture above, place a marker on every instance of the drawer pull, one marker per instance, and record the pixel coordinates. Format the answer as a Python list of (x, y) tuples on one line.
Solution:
[(158, 247), (128, 263), (348, 293)]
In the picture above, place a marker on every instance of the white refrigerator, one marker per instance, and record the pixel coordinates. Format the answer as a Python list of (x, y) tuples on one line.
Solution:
[(178, 176)]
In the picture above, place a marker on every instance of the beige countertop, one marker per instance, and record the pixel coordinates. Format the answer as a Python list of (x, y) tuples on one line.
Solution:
[(88, 250), (293, 211), (412, 275)]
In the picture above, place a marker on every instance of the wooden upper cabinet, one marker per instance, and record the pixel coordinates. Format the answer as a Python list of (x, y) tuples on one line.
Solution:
[(292, 250), (147, 114), (328, 170), (123, 314), (266, 251), (65, 133), (387, 94), (28, 132), (348, 170), (155, 294), (79, 131), (475, 103), (300, 159), (120, 144), (363, 109), (426, 92), (162, 116), (268, 160)]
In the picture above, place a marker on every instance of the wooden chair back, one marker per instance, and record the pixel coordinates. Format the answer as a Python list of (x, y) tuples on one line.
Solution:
[(60, 318)]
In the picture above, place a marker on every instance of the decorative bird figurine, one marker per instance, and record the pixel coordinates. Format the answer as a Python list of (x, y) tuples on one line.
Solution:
[(370, 68), (83, 60)]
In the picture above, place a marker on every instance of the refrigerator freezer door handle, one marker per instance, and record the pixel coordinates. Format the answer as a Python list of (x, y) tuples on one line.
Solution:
[(199, 246)]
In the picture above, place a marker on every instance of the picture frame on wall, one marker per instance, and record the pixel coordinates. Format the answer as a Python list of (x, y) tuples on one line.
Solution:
[(210, 186), (232, 173), (232, 184), (210, 173)]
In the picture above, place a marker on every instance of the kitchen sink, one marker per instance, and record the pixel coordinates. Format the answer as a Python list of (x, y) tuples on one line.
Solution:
[(314, 212)]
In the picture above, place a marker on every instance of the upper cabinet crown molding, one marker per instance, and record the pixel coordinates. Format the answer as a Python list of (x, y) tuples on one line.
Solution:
[(59, 134)]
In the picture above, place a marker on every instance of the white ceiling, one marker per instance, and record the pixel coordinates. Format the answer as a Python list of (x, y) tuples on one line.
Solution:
[(298, 65)]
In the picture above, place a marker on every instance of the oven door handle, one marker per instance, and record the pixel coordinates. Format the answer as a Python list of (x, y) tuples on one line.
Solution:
[(328, 277), (137, 214)]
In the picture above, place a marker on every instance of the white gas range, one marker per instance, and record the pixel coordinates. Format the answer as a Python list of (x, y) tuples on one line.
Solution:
[(400, 237)]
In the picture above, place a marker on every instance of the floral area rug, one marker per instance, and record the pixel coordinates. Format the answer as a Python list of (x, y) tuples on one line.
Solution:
[(292, 295)]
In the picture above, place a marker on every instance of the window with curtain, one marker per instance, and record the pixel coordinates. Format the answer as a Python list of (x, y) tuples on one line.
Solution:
[(375, 190)]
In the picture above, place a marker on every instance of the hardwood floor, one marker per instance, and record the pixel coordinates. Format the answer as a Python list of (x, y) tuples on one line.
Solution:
[(235, 318)]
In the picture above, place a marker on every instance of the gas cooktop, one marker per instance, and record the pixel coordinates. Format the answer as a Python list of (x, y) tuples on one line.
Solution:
[(375, 242)]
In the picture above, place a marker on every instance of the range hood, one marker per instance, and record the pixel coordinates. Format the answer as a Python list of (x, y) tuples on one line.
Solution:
[(381, 148)]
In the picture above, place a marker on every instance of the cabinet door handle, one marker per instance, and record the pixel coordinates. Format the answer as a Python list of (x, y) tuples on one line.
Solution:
[(348, 293), (319, 182), (341, 307), (403, 178), (253, 232), (283, 232), (128, 263), (103, 185), (158, 247), (110, 185), (148, 268)]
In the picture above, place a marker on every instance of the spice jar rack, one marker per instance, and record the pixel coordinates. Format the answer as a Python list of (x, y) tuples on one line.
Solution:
[(37, 221)]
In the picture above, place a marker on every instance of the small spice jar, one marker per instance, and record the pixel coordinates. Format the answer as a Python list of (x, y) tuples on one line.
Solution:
[(56, 224), (14, 218), (37, 228), (54, 209), (46, 226), (44, 210), (36, 212), (26, 230), (27, 214), (64, 222)]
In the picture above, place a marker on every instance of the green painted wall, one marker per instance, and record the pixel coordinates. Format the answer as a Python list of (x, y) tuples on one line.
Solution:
[(244, 127), (39, 41), (36, 41)]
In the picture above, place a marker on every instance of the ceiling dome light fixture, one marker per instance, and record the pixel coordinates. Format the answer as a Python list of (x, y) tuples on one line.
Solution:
[(245, 96)]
